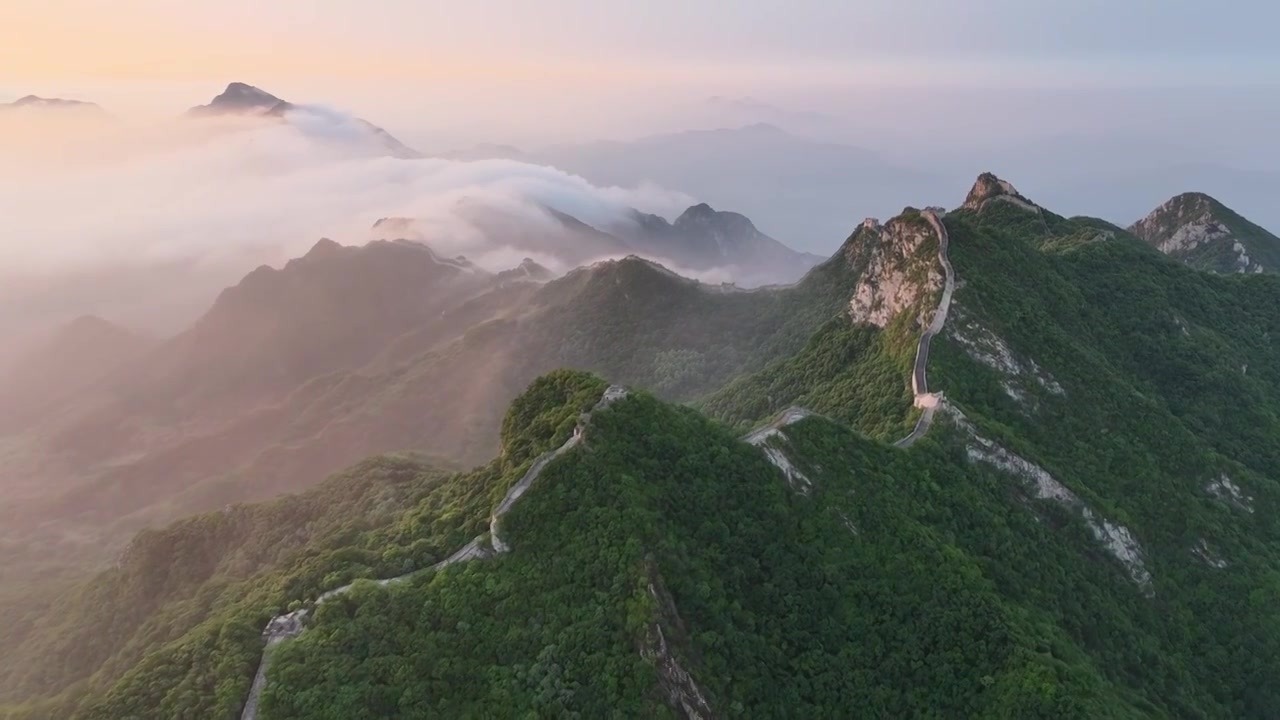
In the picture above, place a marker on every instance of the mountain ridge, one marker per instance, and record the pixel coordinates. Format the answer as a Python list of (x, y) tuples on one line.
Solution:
[(1089, 516), (701, 240), (240, 97), (37, 102)]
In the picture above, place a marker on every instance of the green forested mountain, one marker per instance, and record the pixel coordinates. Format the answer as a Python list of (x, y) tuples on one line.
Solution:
[(1088, 528), (1208, 235), (448, 351)]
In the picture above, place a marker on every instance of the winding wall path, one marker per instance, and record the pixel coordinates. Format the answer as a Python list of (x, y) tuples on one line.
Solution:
[(285, 626), (289, 625), (927, 401)]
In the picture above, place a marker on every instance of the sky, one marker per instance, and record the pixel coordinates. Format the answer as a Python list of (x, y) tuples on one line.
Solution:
[(1104, 107), (913, 40), (406, 59)]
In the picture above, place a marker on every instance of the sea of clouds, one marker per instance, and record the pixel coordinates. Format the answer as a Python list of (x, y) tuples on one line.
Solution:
[(212, 189)]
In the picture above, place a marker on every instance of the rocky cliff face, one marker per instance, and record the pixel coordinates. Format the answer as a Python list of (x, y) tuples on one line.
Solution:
[(898, 268), (1204, 233)]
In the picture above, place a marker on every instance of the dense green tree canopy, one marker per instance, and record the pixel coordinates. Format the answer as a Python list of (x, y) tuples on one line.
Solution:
[(663, 558)]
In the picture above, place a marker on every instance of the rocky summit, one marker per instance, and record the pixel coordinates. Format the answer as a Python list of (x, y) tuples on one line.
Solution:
[(1202, 232)]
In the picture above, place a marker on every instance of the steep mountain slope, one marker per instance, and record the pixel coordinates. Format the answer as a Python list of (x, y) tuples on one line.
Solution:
[(331, 309), (1206, 234), (349, 352), (168, 581), (163, 434), (203, 586), (779, 605), (1086, 530), (853, 367), (1148, 390), (74, 357)]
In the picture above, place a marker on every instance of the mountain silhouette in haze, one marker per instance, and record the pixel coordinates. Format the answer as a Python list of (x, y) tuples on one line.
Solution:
[(700, 240), (42, 103)]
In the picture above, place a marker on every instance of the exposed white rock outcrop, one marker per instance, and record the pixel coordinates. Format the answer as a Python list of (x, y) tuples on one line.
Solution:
[(895, 275), (1243, 263), (1199, 230), (1118, 540), (796, 479), (848, 524), (1206, 553), (989, 349), (681, 689), (764, 438), (928, 402), (989, 188), (1193, 235), (1226, 490)]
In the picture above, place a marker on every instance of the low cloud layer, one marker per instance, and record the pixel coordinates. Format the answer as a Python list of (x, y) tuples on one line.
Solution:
[(207, 191), (145, 226)]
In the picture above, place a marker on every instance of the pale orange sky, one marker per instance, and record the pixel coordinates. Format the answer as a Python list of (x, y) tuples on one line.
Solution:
[(63, 41), (148, 40), (503, 69)]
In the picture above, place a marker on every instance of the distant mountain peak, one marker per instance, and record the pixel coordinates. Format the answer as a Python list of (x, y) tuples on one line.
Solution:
[(35, 101), (72, 357), (1183, 208), (323, 247), (703, 214), (703, 238), (1200, 231), (988, 187), (527, 270), (84, 323), (763, 128), (701, 211), (241, 98), (393, 228)]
